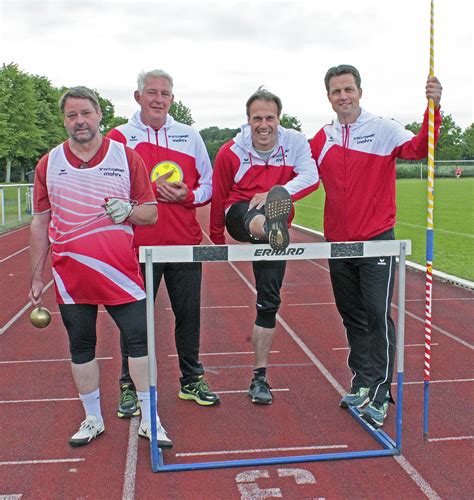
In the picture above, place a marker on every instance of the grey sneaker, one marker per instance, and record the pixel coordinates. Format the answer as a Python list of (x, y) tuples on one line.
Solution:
[(357, 399), (129, 406), (277, 210), (259, 391), (375, 413), (90, 429)]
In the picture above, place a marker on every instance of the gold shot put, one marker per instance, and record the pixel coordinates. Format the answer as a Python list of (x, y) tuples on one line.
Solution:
[(40, 317)]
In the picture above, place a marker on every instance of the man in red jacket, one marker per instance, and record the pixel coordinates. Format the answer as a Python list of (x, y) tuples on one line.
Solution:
[(180, 171), (356, 157), (256, 177)]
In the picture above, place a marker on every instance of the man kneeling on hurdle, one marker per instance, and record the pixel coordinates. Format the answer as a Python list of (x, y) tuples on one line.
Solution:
[(257, 176)]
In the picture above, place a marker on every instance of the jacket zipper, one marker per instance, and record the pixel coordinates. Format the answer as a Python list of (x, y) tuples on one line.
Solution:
[(345, 149)]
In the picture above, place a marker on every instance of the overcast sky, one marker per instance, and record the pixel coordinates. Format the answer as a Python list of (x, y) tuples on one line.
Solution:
[(220, 51)]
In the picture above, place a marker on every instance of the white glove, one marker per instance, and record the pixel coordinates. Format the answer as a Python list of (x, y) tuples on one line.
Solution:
[(118, 210)]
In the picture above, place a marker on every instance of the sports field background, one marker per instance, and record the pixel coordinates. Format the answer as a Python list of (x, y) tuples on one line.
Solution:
[(453, 221)]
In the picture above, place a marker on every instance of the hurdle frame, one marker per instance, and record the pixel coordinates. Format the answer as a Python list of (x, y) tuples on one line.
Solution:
[(295, 251)]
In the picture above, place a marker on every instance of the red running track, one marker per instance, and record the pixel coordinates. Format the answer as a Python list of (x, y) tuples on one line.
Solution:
[(40, 408)]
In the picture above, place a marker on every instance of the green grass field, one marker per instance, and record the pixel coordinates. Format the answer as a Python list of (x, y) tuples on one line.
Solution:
[(453, 221)]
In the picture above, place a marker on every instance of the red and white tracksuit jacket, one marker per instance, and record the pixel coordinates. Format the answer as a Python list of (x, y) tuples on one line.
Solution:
[(181, 144), (357, 164), (240, 173)]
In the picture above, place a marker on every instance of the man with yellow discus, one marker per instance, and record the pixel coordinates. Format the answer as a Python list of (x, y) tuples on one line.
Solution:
[(181, 174)]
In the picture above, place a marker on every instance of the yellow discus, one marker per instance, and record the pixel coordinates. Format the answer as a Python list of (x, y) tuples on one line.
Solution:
[(163, 168)]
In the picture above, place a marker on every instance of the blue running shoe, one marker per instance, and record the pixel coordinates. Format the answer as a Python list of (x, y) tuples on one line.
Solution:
[(376, 413), (358, 398)]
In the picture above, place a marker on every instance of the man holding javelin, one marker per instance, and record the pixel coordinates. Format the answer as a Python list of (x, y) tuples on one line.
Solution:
[(180, 171), (257, 176), (356, 157), (93, 258)]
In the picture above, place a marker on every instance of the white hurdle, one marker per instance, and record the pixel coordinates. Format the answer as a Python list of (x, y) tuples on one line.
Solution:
[(295, 251)]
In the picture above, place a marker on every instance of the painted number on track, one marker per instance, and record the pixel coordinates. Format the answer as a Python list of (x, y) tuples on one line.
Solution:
[(250, 490)]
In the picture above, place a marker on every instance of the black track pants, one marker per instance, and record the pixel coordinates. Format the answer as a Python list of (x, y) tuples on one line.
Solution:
[(183, 282), (268, 274), (363, 290)]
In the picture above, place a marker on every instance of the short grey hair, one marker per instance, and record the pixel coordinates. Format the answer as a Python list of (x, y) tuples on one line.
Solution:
[(265, 95), (157, 73), (79, 92)]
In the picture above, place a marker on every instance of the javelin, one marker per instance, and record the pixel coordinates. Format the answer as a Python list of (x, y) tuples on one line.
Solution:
[(429, 239)]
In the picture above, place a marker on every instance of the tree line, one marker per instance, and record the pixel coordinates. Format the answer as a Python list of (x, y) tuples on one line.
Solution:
[(31, 124)]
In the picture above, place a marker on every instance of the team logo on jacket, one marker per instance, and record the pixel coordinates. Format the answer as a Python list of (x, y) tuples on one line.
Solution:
[(164, 167)]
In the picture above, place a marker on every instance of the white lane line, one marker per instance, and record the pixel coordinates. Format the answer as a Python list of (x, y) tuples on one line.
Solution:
[(314, 263), (449, 381), (308, 205), (447, 231), (21, 312), (420, 345), (51, 461), (312, 304), (130, 472), (406, 345), (60, 360), (240, 391), (49, 400), (224, 353), (438, 329), (315, 360), (408, 313), (225, 307), (100, 311), (215, 307), (263, 450), (417, 477), (11, 496), (459, 299), (13, 254), (452, 438), (26, 226), (454, 299)]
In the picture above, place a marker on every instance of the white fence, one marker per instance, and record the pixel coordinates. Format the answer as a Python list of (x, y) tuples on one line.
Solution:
[(16, 203)]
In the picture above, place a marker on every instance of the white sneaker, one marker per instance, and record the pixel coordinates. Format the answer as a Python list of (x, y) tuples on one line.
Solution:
[(163, 440), (90, 428)]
